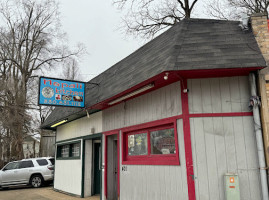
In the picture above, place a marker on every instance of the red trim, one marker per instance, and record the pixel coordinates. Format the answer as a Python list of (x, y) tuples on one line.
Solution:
[(174, 76), (108, 133), (214, 73), (232, 114), (105, 166), (112, 132), (151, 124), (158, 81), (187, 141), (150, 159), (165, 120), (118, 147)]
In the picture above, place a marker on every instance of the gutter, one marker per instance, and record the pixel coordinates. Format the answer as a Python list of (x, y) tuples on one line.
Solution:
[(259, 139)]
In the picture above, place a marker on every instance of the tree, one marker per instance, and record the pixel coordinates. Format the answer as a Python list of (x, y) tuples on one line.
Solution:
[(70, 69), (145, 18), (30, 42), (234, 9)]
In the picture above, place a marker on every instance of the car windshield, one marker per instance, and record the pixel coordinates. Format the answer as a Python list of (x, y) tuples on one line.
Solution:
[(13, 165)]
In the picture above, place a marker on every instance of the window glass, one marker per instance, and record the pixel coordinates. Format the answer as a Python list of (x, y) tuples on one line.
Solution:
[(26, 164), (42, 162), (137, 144), (75, 150), (52, 160), (162, 141), (65, 151), (13, 165)]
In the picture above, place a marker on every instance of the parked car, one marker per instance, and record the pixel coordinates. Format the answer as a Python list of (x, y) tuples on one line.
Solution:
[(33, 171)]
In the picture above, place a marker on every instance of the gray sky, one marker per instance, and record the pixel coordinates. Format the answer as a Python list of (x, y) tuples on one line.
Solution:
[(95, 23)]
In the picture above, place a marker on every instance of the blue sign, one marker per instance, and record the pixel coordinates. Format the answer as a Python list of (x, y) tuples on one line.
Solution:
[(57, 92)]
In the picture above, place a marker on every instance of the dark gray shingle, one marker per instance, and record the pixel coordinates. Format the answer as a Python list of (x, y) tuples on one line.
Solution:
[(190, 44)]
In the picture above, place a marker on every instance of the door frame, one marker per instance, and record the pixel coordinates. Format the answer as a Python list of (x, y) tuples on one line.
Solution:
[(93, 162), (97, 136), (106, 134)]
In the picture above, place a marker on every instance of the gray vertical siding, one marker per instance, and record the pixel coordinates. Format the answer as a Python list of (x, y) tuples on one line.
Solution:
[(159, 104), (219, 95), (151, 182), (88, 169), (47, 144), (221, 145)]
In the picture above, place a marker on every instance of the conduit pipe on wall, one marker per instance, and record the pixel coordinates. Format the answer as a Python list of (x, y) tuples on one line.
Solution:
[(259, 140)]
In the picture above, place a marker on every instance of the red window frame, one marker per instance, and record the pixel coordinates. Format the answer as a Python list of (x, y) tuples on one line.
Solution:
[(150, 159)]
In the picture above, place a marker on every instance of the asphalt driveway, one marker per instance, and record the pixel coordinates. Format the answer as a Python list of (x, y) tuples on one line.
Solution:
[(44, 193)]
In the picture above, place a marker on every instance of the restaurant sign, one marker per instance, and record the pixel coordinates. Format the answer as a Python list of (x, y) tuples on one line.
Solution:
[(58, 92)]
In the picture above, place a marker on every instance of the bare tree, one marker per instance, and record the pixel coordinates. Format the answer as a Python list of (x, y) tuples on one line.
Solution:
[(70, 69), (145, 18), (234, 9), (30, 41)]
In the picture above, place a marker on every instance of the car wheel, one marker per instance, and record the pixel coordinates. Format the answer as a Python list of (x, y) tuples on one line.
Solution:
[(36, 181)]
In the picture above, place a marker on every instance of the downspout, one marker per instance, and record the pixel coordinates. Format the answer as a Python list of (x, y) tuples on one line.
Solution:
[(259, 139)]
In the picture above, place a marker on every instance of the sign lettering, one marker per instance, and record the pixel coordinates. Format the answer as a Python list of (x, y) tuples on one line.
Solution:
[(57, 92)]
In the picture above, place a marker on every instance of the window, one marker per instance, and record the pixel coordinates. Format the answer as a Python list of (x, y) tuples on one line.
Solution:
[(42, 162), (163, 141), (69, 151), (26, 164), (137, 144), (13, 165), (52, 160), (65, 151), (75, 150), (151, 146)]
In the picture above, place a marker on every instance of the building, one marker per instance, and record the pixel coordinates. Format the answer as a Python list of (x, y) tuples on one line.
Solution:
[(170, 121), (47, 144), (30, 147)]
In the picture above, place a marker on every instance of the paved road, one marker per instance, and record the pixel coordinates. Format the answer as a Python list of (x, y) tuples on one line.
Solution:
[(44, 193)]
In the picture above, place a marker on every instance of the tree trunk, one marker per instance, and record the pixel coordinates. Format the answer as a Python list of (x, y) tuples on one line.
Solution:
[(187, 9), (34, 143), (8, 145), (40, 144)]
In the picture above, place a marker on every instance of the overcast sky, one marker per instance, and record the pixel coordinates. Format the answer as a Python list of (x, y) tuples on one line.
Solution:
[(95, 23)]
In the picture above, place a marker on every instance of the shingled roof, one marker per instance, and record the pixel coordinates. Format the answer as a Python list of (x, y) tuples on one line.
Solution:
[(189, 45)]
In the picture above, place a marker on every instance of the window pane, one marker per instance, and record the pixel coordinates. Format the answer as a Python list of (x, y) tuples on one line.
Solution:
[(52, 160), (14, 165), (65, 151), (75, 150), (162, 141), (138, 144), (26, 164), (42, 162)]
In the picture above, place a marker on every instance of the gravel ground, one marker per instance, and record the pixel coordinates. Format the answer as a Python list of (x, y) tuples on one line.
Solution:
[(44, 193)]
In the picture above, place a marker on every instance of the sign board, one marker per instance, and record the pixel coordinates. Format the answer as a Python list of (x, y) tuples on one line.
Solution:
[(165, 144), (232, 186), (58, 92)]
